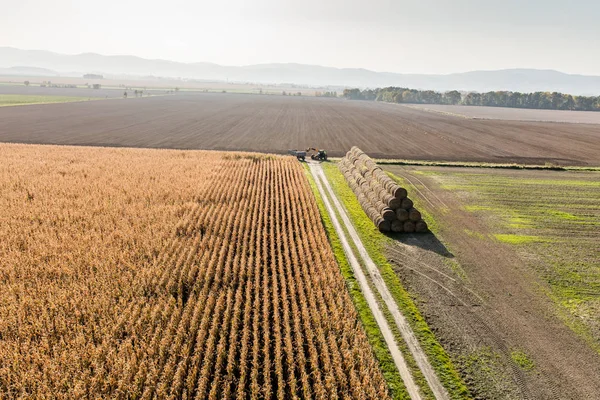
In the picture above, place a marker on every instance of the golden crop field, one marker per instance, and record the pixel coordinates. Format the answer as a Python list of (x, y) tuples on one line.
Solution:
[(168, 274)]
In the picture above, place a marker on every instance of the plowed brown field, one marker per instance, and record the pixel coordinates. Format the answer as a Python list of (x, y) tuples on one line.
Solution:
[(276, 123), (168, 274), (511, 275)]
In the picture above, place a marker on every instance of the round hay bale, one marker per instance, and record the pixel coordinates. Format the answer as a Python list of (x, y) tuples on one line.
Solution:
[(388, 214), (371, 195), (402, 214), (383, 195), (384, 226), (380, 207), (407, 203), (414, 215), (389, 185), (399, 192), (394, 203), (409, 227), (421, 227), (397, 226), (366, 206), (356, 150), (382, 179), (371, 165), (374, 216)]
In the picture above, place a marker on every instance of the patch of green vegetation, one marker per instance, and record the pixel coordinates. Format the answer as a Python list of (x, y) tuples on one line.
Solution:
[(563, 215), (488, 378), (553, 220), (522, 360), (386, 362), (519, 223), (19, 100), (570, 315), (375, 243), (476, 207), (519, 239), (478, 235), (546, 166)]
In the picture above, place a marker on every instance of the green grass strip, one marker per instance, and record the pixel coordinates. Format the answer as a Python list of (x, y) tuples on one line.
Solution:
[(375, 243), (467, 164)]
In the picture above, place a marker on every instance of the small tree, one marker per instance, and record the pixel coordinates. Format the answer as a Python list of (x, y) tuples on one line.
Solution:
[(26, 83)]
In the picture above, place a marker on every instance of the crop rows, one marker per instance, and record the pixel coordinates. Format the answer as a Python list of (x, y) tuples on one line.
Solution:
[(275, 124), (240, 298)]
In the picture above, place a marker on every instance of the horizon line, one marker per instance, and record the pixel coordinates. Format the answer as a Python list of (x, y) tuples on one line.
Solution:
[(299, 63)]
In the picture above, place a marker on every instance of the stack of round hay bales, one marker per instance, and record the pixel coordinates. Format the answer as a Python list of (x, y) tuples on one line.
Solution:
[(382, 199)]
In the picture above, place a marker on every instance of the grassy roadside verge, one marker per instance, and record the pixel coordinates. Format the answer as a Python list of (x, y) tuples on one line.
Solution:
[(375, 242), (475, 164), (547, 166), (416, 373), (390, 373)]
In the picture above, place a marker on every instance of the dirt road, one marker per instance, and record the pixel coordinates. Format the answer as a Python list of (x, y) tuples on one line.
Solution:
[(407, 334)]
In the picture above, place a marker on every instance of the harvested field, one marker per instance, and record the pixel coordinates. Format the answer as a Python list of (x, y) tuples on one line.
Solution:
[(276, 124), (144, 273), (64, 92), (513, 114), (510, 282), (19, 100), (165, 84)]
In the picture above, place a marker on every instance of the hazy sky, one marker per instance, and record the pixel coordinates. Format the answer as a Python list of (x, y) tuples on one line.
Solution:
[(416, 36)]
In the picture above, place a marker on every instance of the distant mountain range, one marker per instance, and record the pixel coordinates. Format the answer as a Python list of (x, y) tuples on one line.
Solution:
[(27, 62)]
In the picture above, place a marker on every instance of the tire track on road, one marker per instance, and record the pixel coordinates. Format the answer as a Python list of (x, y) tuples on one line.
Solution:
[(407, 334)]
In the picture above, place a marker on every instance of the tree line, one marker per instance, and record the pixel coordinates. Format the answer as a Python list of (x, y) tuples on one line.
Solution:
[(537, 100)]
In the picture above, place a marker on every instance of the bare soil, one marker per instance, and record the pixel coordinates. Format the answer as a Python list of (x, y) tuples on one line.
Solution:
[(74, 92), (513, 114), (485, 304), (277, 123)]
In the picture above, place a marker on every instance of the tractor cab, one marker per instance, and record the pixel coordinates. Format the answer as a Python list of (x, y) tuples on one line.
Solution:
[(318, 155)]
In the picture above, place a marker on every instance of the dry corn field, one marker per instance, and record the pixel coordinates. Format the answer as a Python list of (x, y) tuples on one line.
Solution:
[(167, 274)]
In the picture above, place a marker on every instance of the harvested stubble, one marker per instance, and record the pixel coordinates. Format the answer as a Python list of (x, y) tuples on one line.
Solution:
[(380, 197), (149, 282)]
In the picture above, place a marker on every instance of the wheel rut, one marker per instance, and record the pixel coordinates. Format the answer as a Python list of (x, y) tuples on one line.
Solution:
[(376, 279)]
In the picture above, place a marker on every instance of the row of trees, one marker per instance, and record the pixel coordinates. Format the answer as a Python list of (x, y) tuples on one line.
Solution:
[(326, 94), (538, 100)]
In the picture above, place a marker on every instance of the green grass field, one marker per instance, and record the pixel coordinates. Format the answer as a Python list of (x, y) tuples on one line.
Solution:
[(19, 100), (552, 219)]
